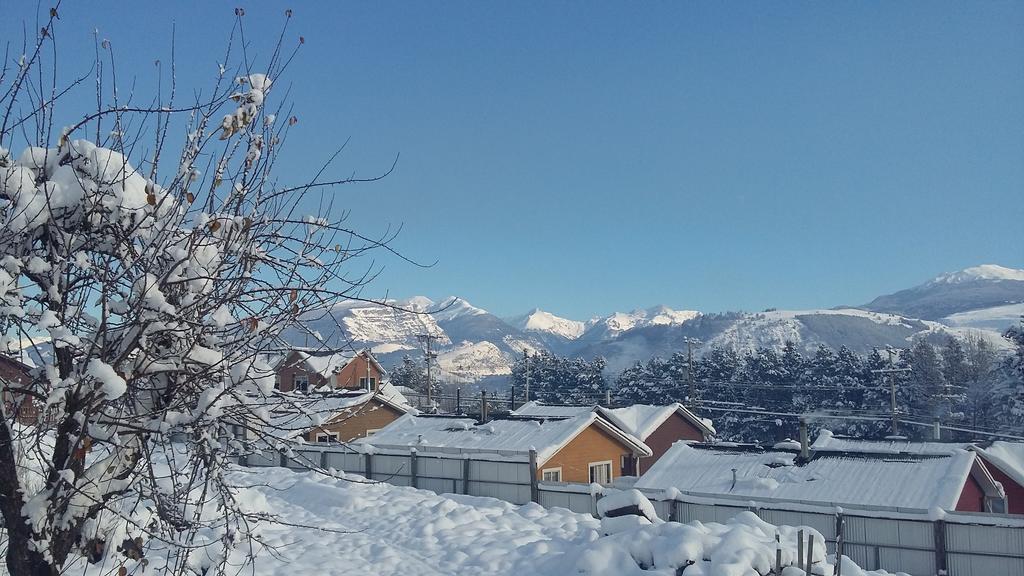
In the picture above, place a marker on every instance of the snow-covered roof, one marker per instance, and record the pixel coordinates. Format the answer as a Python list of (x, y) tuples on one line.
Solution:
[(914, 481), (291, 414), (328, 364), (1007, 457), (640, 420), (827, 441), (537, 409), (516, 434)]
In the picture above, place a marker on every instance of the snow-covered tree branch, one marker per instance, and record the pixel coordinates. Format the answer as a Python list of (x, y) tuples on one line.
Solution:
[(152, 258)]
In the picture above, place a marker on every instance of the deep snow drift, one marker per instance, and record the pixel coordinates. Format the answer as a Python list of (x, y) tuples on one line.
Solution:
[(353, 527)]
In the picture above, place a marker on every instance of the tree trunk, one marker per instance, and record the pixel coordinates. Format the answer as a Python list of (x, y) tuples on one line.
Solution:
[(21, 560)]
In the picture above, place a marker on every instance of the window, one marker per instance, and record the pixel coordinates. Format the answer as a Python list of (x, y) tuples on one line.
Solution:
[(327, 437), (551, 474), (628, 469), (367, 384), (601, 472), (301, 383), (995, 505), (372, 431)]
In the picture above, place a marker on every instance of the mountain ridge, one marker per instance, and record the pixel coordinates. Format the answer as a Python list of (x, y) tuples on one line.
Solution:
[(474, 344)]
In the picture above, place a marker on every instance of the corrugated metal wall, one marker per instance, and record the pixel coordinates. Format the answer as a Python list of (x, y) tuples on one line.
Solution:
[(974, 545)]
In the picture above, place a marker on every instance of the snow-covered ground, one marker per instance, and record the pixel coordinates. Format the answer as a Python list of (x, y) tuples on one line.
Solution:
[(345, 525), (997, 318)]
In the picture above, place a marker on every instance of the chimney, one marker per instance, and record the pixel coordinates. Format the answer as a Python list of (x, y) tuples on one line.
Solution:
[(805, 453)]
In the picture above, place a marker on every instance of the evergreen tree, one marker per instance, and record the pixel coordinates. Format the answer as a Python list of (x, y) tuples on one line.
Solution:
[(792, 363), (633, 386), (981, 395), (927, 382), (588, 381), (955, 368), (410, 374), (1011, 409)]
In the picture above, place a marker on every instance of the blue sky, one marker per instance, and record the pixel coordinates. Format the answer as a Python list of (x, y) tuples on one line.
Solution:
[(588, 157)]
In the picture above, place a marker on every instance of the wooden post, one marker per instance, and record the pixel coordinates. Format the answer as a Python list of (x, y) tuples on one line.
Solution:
[(940, 546), (458, 400), (778, 554), (284, 460), (465, 475), (810, 552), (368, 465), (799, 547), (413, 465), (323, 459), (534, 488), (804, 450), (840, 528), (483, 405)]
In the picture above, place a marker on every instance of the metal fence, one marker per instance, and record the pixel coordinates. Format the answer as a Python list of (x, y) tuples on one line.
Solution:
[(462, 402), (897, 540), (509, 476)]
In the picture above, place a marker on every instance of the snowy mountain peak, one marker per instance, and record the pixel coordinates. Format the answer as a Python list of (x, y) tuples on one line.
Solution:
[(417, 303), (664, 315), (454, 307), (655, 316), (540, 321), (983, 272)]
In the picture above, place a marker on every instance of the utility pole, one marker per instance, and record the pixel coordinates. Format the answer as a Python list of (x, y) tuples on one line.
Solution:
[(889, 374), (691, 392), (526, 359), (429, 358)]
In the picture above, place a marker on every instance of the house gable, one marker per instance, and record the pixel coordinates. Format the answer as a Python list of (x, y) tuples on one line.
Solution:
[(356, 374), (672, 430), (352, 376), (353, 423), (1014, 491), (972, 497), (294, 365), (591, 445)]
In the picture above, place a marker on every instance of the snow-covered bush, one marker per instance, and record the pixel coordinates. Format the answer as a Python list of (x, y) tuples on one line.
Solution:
[(153, 279)]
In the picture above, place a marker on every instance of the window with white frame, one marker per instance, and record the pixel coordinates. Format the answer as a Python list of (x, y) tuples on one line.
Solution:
[(601, 472), (301, 383), (551, 474), (367, 383), (327, 437), (372, 431)]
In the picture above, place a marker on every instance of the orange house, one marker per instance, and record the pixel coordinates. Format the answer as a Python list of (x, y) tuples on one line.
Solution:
[(585, 448), (305, 370), (16, 374), (336, 415), (656, 426)]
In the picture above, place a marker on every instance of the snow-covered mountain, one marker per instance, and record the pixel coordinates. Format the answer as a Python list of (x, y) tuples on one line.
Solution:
[(473, 344), (972, 289), (545, 322), (614, 325), (859, 330), (474, 360), (359, 323)]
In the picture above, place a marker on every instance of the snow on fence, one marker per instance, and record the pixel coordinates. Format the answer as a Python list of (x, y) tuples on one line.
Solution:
[(509, 476), (910, 541)]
